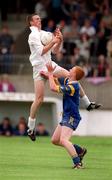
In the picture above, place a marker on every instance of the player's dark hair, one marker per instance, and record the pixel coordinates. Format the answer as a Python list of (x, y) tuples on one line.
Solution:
[(29, 19)]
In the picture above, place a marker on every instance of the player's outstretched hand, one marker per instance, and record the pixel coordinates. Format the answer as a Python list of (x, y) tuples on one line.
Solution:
[(50, 68), (58, 33), (56, 39), (44, 74), (93, 106)]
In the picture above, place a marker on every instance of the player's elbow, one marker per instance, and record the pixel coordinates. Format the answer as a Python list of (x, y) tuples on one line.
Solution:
[(55, 51), (42, 53), (44, 50), (53, 89)]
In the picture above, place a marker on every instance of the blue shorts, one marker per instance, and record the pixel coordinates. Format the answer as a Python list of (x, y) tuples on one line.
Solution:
[(70, 122)]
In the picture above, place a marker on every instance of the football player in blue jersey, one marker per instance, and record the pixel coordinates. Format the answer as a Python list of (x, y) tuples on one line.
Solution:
[(70, 88)]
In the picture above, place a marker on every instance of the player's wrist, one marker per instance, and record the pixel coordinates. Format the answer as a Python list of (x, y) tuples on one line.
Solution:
[(59, 41), (50, 74)]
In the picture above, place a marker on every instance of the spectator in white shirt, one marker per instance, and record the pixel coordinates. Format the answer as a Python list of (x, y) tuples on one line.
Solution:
[(88, 28), (84, 45)]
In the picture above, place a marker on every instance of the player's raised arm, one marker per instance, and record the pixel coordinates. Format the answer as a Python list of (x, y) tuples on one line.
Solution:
[(52, 83), (69, 89), (57, 45), (50, 45)]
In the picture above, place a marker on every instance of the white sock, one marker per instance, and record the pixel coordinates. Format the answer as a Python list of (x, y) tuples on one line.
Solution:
[(85, 101), (31, 123)]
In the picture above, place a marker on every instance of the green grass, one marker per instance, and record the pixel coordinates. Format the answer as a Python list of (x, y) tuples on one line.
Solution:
[(21, 159)]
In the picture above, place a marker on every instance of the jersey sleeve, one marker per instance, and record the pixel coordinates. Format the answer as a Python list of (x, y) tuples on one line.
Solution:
[(68, 89), (35, 42), (62, 81)]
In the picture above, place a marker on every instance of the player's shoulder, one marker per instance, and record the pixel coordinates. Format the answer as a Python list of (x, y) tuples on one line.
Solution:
[(33, 36), (63, 81), (43, 31), (75, 84)]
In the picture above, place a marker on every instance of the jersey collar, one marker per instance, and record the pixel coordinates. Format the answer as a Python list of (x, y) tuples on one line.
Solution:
[(71, 82), (34, 29)]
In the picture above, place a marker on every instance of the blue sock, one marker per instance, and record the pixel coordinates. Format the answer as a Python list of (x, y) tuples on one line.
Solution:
[(78, 149), (76, 160)]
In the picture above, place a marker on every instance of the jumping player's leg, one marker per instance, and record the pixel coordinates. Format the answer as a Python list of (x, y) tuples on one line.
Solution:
[(60, 72), (84, 100), (39, 95), (39, 86)]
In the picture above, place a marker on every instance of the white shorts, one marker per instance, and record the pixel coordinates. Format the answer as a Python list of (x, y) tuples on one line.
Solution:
[(38, 68)]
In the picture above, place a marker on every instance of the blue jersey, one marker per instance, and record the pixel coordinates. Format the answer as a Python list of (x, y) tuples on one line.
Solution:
[(71, 96)]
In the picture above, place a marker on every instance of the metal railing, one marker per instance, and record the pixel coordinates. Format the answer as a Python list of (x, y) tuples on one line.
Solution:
[(19, 64), (15, 64)]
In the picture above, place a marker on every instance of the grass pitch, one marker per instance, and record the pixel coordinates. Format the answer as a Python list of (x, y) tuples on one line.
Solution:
[(21, 159)]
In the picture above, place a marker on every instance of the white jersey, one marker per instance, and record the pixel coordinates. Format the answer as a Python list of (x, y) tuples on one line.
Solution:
[(36, 48)]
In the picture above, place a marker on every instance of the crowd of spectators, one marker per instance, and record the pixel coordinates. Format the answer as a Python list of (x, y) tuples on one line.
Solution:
[(7, 129), (6, 50), (87, 32)]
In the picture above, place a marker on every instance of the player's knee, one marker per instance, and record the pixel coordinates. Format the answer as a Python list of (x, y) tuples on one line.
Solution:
[(54, 141), (39, 100), (62, 141)]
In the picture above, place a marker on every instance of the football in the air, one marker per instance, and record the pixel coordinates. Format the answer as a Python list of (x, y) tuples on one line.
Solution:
[(46, 38)]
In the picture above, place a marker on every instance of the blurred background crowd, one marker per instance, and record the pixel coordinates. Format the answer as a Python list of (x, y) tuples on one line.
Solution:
[(20, 129), (86, 27)]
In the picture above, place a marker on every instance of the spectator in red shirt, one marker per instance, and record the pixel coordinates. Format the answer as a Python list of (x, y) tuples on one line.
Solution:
[(6, 85), (103, 68)]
